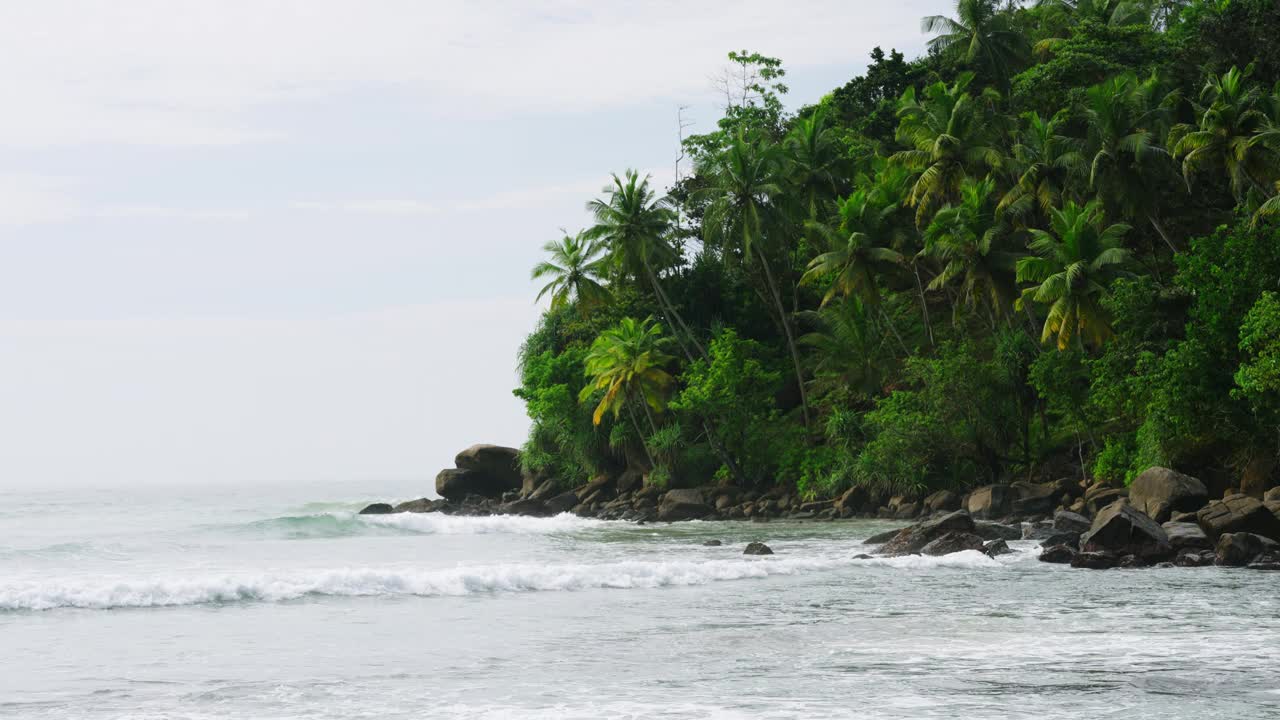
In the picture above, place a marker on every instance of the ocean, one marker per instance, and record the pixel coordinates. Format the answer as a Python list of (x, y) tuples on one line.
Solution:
[(279, 602)]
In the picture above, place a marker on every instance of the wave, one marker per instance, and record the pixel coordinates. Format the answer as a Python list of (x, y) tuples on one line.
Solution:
[(344, 524), (217, 590)]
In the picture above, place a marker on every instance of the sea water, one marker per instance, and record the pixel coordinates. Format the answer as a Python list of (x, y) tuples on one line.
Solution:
[(282, 602)]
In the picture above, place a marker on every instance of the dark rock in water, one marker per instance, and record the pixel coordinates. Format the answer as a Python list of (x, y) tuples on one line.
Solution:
[(1095, 560), (562, 503), (1266, 562), (992, 548), (1067, 521), (996, 531), (1194, 558), (1159, 492), (1100, 495), (1184, 535), (378, 509), (952, 542), (683, 505), (457, 483), (907, 511), (913, 539), (501, 465), (535, 508), (1237, 514), (863, 556), (1132, 561), (1038, 531), (544, 491), (1120, 529), (421, 505), (1034, 499), (757, 548), (1057, 554), (991, 501), (1240, 549), (1070, 539), (882, 538), (712, 543)]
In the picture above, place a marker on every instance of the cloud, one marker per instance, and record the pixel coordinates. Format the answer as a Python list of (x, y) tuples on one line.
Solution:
[(38, 199), (385, 206), (192, 72)]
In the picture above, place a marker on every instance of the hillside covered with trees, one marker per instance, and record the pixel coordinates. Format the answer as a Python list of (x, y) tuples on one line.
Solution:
[(1048, 248)]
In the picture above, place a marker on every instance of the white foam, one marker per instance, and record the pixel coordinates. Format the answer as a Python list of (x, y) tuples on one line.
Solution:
[(107, 594), (965, 559), (441, 524)]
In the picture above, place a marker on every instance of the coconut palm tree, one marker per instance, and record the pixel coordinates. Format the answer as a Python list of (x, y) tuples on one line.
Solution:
[(1046, 163), (1072, 268), (951, 136), (1226, 138), (743, 217), (1064, 16), (633, 224), (970, 243), (858, 250), (1126, 118), (981, 36), (627, 363), (813, 163), (575, 270), (849, 349)]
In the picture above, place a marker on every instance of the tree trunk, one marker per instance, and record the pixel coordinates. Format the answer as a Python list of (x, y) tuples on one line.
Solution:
[(1155, 223), (786, 328), (924, 306), (670, 310), (631, 413)]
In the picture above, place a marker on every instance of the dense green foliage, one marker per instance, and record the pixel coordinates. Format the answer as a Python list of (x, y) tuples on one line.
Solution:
[(1049, 246)]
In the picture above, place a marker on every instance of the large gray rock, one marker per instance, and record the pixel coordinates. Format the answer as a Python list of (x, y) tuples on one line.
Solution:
[(942, 501), (996, 531), (535, 508), (1240, 549), (500, 464), (882, 537), (991, 501), (1100, 495), (562, 503), (1067, 521), (913, 539), (1238, 513), (1160, 492), (1185, 535), (378, 509), (1035, 499), (421, 505), (953, 542), (456, 484), (1272, 495), (1058, 554), (679, 505), (1121, 529)]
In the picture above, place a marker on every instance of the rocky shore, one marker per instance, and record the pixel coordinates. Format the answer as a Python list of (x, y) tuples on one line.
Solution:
[(1164, 518)]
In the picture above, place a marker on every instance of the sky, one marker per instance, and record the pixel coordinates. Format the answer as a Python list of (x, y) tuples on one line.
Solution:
[(278, 241)]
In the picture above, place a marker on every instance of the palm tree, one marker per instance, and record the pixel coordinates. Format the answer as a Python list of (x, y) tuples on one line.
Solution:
[(1066, 15), (626, 362), (850, 351), (858, 251), (575, 269), (813, 161), (951, 135), (967, 239), (1232, 118), (1072, 270), (1125, 118), (981, 36), (743, 214), (633, 224), (1046, 164)]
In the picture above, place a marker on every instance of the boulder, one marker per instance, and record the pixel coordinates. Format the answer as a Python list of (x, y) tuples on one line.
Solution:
[(1186, 536), (531, 507), (1240, 549), (1120, 529), (1067, 521), (1160, 492), (421, 505), (942, 501), (629, 481), (1237, 514), (1100, 495), (852, 500), (544, 490), (882, 538), (1057, 554), (907, 511), (992, 548), (1272, 495), (1095, 560), (500, 464), (1269, 562), (913, 539), (562, 503), (996, 531), (1037, 531), (1194, 558), (757, 548), (1034, 499), (688, 504), (712, 543), (457, 484), (991, 501), (1070, 539), (953, 542), (377, 509)]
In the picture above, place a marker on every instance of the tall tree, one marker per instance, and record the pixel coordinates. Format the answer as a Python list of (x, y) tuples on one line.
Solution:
[(743, 218), (627, 363), (575, 271), (1047, 165), (858, 250), (814, 163), (1072, 269), (971, 245), (951, 135), (981, 35), (1232, 121)]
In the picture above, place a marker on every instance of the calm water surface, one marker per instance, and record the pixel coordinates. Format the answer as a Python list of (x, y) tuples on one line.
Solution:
[(278, 604)]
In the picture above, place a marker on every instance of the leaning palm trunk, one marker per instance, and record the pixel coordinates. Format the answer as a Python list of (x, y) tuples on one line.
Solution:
[(1155, 223), (924, 306), (631, 412), (670, 310), (786, 328)]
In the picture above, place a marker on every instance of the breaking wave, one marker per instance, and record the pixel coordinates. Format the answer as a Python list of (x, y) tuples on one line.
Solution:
[(344, 524)]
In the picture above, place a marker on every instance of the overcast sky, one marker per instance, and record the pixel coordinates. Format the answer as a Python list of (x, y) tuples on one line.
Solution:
[(278, 241)]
